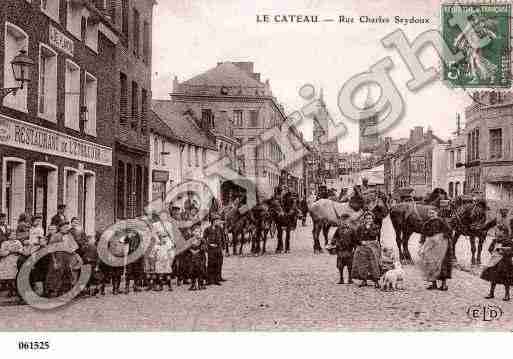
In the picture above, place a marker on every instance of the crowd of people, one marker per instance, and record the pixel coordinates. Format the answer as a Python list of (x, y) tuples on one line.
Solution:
[(190, 255)]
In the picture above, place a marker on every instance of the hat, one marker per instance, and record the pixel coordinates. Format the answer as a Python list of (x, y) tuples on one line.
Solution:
[(61, 206), (215, 217)]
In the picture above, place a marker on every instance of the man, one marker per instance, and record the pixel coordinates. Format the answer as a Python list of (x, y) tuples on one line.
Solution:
[(3, 227), (60, 217), (190, 203), (214, 237)]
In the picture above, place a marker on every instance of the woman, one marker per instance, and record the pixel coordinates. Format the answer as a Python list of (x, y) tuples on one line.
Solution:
[(10, 250), (367, 254), (499, 269), (435, 253), (59, 278), (163, 254)]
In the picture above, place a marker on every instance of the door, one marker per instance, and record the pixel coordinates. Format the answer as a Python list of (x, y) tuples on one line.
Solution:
[(41, 194)]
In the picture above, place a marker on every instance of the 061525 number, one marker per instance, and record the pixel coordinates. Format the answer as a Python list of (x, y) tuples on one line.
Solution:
[(33, 345)]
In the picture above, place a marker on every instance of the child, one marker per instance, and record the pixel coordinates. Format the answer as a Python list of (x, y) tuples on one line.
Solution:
[(197, 259), (344, 246), (164, 253)]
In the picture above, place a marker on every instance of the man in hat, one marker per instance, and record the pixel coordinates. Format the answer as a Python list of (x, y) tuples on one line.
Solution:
[(215, 238), (60, 217)]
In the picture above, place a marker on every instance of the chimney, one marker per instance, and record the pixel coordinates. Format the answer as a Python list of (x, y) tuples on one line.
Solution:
[(418, 134)]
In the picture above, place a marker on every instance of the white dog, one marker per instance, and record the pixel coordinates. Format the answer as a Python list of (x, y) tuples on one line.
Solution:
[(391, 279)]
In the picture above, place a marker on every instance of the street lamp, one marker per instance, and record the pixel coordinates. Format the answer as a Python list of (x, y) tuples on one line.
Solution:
[(21, 67)]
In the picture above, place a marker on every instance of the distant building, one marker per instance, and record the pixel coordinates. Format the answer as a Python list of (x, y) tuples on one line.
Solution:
[(235, 107), (369, 138)]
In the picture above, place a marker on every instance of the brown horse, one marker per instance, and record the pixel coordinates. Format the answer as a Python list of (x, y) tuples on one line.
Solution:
[(408, 218)]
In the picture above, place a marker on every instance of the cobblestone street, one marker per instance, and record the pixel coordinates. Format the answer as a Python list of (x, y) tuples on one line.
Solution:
[(296, 291)]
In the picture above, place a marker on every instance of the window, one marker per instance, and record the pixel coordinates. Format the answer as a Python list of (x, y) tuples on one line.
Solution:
[(51, 8), (204, 157), (121, 190), (146, 43), (47, 106), (237, 118), (91, 32), (123, 99), (207, 118), (144, 111), (72, 96), (196, 155), (473, 145), (162, 155), (458, 156), (112, 10), (15, 41), (495, 143), (189, 155), (135, 107), (253, 118), (124, 17), (156, 150), (451, 164), (457, 189), (135, 32), (90, 100), (75, 23)]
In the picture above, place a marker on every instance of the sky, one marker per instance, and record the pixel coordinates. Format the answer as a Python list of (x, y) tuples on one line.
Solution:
[(190, 37)]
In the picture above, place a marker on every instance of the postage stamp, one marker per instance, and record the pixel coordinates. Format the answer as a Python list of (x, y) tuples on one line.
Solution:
[(481, 33)]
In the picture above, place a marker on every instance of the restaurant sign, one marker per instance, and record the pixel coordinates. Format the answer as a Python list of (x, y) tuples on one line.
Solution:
[(61, 41), (418, 170), (30, 137)]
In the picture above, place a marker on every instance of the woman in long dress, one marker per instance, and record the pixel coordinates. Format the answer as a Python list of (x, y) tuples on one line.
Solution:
[(499, 269), (435, 253), (366, 258)]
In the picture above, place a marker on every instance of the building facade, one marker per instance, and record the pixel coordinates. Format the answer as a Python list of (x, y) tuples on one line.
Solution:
[(232, 104), (180, 152), (412, 164), (131, 103), (56, 134), (489, 156)]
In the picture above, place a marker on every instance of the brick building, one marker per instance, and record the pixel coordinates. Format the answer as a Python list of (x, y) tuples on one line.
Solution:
[(56, 133), (234, 106), (489, 158)]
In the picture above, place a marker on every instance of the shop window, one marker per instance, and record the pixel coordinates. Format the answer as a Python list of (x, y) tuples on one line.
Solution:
[(71, 192), (13, 189), (16, 40), (89, 202), (51, 8), (47, 106), (72, 96), (90, 100)]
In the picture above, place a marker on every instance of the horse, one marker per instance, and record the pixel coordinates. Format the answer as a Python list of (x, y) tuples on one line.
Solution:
[(236, 223), (284, 214), (469, 219), (326, 213), (262, 225), (408, 218)]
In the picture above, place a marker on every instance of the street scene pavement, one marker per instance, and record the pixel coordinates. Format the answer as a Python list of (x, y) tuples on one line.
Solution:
[(295, 291)]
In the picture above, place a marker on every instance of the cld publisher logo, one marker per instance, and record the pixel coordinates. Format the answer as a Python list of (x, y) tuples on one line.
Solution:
[(485, 313)]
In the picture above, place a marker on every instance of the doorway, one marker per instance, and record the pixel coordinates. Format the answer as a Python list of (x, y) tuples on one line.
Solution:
[(45, 192), (13, 189)]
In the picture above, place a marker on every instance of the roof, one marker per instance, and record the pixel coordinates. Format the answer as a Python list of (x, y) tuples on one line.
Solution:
[(182, 125), (157, 125), (225, 74)]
